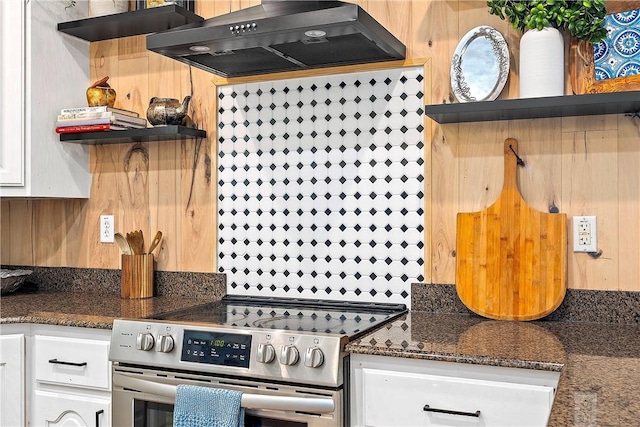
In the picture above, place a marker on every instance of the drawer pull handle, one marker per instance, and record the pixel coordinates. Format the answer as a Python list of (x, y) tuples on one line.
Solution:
[(60, 362), (427, 408), (98, 413)]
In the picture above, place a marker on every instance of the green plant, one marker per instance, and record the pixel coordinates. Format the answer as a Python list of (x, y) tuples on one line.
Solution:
[(584, 19)]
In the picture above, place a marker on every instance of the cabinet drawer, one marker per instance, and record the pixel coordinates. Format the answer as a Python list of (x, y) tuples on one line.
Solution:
[(72, 361), (398, 399)]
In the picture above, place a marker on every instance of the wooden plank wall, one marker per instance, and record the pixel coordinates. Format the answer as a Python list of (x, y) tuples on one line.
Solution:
[(584, 166)]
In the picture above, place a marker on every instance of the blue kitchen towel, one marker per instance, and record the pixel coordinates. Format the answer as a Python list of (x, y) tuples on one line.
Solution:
[(207, 407)]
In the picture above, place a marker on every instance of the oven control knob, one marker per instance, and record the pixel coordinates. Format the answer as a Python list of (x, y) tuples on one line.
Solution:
[(289, 355), (313, 357), (165, 343), (144, 341), (266, 353)]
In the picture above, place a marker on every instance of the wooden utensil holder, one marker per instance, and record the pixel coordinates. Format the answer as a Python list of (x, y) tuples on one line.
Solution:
[(137, 276)]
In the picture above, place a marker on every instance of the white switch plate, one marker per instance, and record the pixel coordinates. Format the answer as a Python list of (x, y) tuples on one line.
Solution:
[(585, 234), (106, 228)]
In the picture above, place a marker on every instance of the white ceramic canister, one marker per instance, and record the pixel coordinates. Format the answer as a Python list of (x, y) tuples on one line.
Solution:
[(541, 63), (107, 7)]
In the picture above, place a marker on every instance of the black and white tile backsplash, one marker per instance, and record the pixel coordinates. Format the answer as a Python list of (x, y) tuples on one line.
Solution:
[(321, 186)]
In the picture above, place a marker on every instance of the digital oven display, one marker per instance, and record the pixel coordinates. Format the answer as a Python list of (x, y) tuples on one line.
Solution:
[(216, 348)]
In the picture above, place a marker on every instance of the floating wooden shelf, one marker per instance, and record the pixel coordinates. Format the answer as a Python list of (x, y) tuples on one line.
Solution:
[(534, 108), (132, 23), (159, 133)]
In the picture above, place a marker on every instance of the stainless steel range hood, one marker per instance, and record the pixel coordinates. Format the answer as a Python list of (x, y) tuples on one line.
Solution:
[(280, 36)]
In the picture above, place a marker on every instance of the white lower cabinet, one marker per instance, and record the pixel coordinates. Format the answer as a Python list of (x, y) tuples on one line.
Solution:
[(388, 391), (72, 381), (75, 362), (54, 376), (53, 409), (12, 380)]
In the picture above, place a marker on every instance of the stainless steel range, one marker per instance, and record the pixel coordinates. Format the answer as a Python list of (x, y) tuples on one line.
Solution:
[(285, 355)]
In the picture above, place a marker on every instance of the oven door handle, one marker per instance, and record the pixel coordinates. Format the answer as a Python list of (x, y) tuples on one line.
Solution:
[(255, 401)]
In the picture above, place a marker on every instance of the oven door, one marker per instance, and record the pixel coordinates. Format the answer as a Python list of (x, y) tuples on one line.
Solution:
[(145, 398)]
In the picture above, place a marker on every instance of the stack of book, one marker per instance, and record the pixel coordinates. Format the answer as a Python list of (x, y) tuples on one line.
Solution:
[(97, 119)]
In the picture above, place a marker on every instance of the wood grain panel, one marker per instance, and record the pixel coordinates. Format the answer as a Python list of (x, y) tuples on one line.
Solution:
[(133, 92), (589, 123), (417, 42), (80, 251), (590, 186), (442, 33), (164, 189), (171, 185), (444, 200), (438, 39), (394, 16), (540, 147), (628, 205), (134, 181), (50, 232), (132, 47), (5, 224), (197, 206), (18, 242), (104, 197)]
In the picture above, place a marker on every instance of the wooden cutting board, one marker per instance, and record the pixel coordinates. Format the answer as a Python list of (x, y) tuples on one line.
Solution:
[(511, 261)]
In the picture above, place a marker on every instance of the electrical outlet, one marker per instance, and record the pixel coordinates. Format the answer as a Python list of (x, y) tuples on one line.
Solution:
[(106, 228), (584, 234)]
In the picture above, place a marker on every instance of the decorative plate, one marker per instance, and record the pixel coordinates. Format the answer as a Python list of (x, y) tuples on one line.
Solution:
[(480, 65)]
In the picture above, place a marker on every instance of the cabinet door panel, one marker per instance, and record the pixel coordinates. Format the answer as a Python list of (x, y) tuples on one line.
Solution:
[(12, 15), (68, 410), (399, 398), (12, 382), (42, 71)]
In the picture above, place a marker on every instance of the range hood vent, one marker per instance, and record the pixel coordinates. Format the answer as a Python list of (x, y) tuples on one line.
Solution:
[(280, 36)]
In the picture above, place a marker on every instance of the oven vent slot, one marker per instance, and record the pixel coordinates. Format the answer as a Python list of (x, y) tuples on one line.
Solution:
[(131, 371), (200, 380), (312, 393), (310, 414), (238, 384)]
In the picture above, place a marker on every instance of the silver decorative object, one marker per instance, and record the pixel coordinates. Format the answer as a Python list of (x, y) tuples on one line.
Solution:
[(480, 65)]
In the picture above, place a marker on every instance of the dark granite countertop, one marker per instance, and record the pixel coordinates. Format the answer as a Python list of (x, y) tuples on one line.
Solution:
[(85, 309), (599, 362), (90, 298)]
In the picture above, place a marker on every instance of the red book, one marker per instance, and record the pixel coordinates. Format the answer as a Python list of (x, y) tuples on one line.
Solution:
[(88, 128)]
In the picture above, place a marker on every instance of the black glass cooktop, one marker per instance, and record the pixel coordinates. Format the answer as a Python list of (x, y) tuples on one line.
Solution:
[(303, 315)]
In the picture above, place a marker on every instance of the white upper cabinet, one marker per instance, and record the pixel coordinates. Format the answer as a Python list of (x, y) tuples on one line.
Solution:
[(41, 72), (12, 95)]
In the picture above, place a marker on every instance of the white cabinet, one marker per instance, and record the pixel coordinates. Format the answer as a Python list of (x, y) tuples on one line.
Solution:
[(42, 71), (72, 378), (12, 380), (61, 409), (12, 43), (54, 376), (74, 362), (389, 391)]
